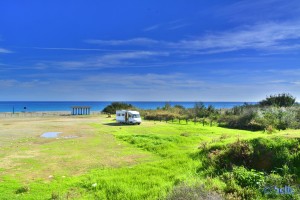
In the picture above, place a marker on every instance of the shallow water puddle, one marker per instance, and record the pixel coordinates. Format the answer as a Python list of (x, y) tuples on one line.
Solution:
[(50, 134), (55, 135)]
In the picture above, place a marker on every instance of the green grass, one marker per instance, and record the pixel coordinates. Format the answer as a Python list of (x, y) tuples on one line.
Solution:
[(109, 161)]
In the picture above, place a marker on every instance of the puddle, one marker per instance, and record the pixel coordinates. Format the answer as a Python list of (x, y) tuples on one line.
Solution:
[(50, 134), (55, 135)]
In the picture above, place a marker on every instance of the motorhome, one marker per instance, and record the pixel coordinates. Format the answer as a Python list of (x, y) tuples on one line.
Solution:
[(128, 117)]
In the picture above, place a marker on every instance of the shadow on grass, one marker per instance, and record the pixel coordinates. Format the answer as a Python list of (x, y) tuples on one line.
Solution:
[(117, 124)]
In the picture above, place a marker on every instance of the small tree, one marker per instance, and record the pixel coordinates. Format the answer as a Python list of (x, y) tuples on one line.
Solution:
[(111, 109), (167, 106), (280, 100)]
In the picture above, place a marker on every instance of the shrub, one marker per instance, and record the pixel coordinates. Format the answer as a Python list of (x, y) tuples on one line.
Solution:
[(244, 121), (259, 154), (237, 153), (248, 178), (22, 189), (280, 100), (198, 192)]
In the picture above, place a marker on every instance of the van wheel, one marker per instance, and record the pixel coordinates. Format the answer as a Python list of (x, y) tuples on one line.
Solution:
[(139, 123)]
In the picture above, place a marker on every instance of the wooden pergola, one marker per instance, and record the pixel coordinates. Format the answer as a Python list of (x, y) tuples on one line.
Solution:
[(81, 110)]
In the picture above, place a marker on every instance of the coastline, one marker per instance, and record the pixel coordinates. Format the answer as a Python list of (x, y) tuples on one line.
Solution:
[(53, 106), (42, 114)]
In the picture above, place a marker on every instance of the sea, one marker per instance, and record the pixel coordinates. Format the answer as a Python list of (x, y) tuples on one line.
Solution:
[(41, 106)]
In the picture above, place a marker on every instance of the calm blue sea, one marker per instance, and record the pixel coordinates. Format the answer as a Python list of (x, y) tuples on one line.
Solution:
[(32, 106)]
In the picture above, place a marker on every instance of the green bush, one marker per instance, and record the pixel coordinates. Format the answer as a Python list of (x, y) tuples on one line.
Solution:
[(280, 100), (279, 112), (22, 189), (248, 167), (111, 109), (260, 154), (248, 178)]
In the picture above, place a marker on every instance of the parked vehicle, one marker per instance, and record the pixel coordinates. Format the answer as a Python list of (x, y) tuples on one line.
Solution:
[(128, 117)]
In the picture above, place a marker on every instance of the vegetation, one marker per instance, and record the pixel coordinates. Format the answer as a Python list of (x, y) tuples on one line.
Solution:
[(278, 112), (250, 167), (280, 100), (177, 153), (111, 109), (198, 114)]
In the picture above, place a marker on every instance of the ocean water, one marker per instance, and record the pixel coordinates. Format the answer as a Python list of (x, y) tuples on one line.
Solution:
[(34, 106)]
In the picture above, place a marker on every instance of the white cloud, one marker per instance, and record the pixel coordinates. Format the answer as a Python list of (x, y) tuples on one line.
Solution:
[(6, 83), (144, 81), (134, 41), (267, 36), (14, 83), (177, 24), (248, 11), (111, 60), (79, 49), (2, 50), (151, 86), (151, 28)]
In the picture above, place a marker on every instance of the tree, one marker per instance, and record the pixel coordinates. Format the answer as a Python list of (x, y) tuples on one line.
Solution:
[(167, 106), (280, 100), (116, 106), (200, 110)]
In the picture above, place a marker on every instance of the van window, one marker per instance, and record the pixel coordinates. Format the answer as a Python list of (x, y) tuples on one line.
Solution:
[(123, 114), (136, 116)]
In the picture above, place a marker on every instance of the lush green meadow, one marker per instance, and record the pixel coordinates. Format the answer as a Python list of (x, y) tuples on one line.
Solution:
[(111, 161)]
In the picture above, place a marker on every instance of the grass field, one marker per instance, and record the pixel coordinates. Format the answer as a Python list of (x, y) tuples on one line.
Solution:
[(105, 160)]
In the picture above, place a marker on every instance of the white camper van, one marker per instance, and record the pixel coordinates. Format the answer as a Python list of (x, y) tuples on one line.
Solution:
[(128, 117)]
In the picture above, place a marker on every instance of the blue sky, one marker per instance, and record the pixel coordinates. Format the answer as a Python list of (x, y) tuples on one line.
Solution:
[(195, 50)]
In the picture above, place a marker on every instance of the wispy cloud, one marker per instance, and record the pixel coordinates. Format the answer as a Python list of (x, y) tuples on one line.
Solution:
[(80, 49), (171, 25), (267, 36), (134, 41), (2, 50), (110, 60), (6, 83), (256, 10), (144, 81), (177, 24), (170, 86), (10, 83), (151, 28)]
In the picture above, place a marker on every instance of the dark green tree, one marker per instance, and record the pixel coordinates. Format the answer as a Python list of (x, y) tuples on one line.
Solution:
[(116, 106), (280, 100)]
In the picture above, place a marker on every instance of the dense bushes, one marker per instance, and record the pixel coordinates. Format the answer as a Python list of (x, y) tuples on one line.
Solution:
[(263, 118), (250, 167), (199, 113), (280, 100), (244, 120), (260, 154), (275, 112)]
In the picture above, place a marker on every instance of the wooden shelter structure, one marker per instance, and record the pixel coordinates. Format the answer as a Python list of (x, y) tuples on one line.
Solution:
[(81, 110)]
